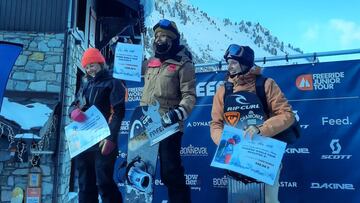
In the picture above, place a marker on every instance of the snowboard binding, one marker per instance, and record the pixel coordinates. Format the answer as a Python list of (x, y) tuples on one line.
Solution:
[(137, 175)]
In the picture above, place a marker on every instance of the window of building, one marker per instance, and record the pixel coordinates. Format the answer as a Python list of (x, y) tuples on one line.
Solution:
[(81, 14)]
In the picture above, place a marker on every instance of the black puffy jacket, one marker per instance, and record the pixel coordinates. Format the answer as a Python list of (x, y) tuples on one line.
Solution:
[(108, 95)]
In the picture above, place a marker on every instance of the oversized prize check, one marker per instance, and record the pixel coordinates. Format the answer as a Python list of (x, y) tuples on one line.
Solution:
[(259, 158), (82, 136)]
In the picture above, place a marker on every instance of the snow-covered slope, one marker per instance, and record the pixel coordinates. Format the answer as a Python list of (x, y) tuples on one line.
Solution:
[(208, 37)]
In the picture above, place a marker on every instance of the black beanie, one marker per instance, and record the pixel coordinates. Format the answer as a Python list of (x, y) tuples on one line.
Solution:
[(245, 56)]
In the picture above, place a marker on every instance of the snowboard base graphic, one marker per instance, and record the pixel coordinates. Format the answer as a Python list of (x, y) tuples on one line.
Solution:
[(141, 172), (135, 168)]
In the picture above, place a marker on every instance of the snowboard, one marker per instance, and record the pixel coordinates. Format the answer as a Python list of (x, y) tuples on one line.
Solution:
[(242, 109), (135, 170)]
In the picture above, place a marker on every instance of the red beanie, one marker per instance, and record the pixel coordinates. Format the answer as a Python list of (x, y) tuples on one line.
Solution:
[(92, 55)]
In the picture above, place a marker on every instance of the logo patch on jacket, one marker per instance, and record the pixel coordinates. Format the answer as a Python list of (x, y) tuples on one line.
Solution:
[(172, 68), (232, 117), (154, 63)]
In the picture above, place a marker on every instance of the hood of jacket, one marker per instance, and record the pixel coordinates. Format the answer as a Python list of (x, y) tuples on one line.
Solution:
[(181, 57), (104, 74), (248, 79)]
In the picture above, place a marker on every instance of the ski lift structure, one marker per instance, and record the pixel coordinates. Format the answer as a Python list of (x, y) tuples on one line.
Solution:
[(310, 57)]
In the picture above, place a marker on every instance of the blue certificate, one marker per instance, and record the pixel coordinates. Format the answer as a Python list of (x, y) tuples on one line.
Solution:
[(258, 158), (127, 61), (82, 136)]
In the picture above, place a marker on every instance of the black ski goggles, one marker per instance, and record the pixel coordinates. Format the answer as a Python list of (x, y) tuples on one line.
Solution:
[(233, 51), (167, 25)]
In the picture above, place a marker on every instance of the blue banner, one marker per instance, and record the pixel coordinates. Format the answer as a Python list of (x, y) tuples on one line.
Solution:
[(323, 166), (8, 55)]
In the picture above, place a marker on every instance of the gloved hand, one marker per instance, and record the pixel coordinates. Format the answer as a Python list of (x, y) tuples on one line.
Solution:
[(174, 115), (106, 146), (251, 131), (78, 115)]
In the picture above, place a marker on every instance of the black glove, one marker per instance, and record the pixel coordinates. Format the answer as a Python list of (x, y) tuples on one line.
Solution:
[(174, 115)]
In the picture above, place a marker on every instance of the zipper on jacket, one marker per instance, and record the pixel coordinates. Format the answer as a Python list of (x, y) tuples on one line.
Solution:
[(95, 96), (90, 95)]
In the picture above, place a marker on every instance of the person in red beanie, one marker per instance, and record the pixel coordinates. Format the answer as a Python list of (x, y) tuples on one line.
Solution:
[(96, 164)]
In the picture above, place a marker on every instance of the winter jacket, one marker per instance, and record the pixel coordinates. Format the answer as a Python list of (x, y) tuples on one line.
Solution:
[(171, 83), (281, 115), (108, 95)]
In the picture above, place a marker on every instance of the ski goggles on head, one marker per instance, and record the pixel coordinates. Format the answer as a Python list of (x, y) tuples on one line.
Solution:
[(233, 51), (164, 23), (167, 25), (243, 54)]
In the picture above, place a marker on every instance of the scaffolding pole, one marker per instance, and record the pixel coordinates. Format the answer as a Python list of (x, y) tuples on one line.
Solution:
[(287, 57)]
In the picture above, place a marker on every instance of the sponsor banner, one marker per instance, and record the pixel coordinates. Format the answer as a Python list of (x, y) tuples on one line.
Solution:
[(288, 184), (206, 86), (194, 151), (323, 163), (322, 166), (322, 80), (134, 93)]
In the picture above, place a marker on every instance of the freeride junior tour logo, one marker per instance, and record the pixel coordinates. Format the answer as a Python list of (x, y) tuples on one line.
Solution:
[(319, 81)]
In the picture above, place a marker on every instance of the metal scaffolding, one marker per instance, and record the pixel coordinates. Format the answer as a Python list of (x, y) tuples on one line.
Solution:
[(312, 57)]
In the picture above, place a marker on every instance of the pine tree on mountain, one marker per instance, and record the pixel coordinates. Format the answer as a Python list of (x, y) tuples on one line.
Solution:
[(226, 21), (257, 27), (273, 51), (241, 28)]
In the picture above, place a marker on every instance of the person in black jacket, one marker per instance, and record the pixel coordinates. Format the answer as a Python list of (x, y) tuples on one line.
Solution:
[(96, 165)]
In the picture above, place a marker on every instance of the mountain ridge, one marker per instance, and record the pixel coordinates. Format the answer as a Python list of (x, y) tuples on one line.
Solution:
[(196, 26)]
